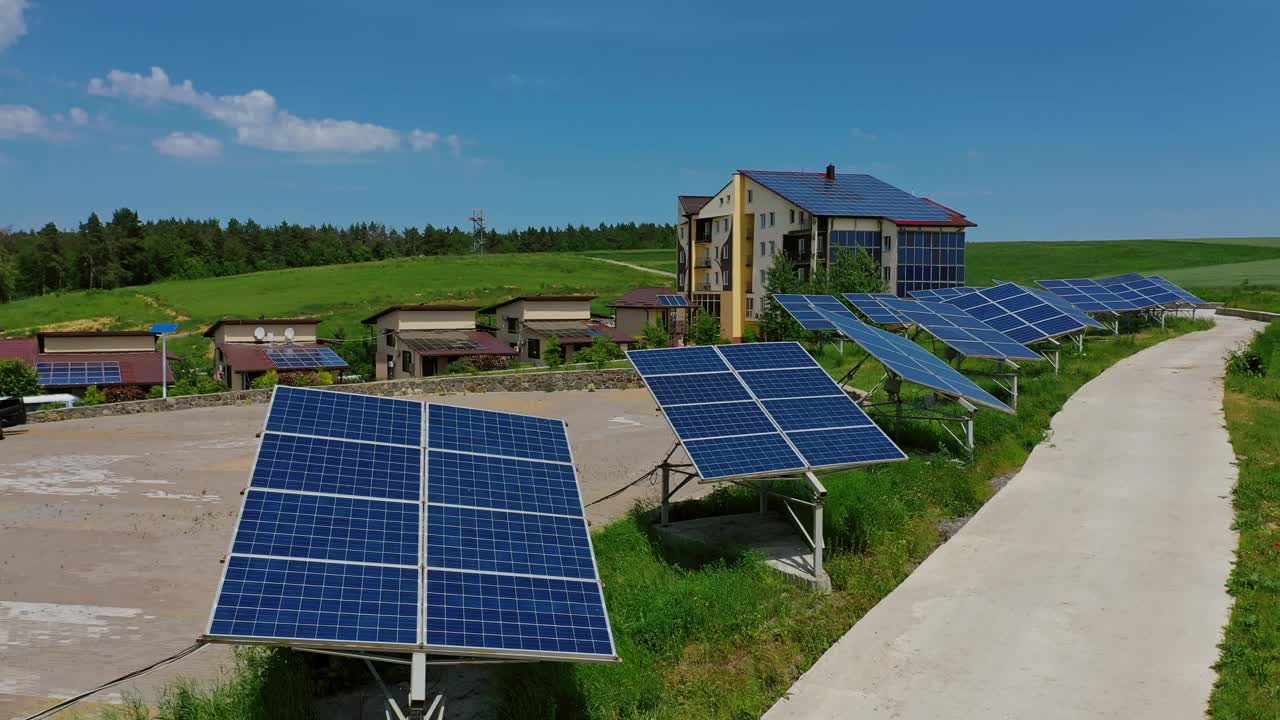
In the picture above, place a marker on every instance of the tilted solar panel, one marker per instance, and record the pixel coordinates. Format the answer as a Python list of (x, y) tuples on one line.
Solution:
[(348, 539), (941, 294), (1181, 293), (1088, 295), (1066, 306), (287, 358), (876, 308), (968, 335), (804, 308), (673, 301), (1124, 278), (1145, 293), (1020, 313), (759, 409)]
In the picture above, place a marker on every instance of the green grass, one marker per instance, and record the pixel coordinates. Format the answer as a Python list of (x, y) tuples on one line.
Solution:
[(661, 259), (1029, 261), (1248, 686)]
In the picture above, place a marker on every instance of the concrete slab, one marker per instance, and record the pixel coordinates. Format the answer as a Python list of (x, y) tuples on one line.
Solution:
[(1091, 587), (770, 536)]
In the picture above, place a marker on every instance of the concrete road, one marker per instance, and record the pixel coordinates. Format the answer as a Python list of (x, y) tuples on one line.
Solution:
[(112, 529), (1091, 587)]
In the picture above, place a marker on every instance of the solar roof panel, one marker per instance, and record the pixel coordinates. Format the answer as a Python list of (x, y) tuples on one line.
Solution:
[(774, 410), (1181, 293), (441, 341), (287, 358), (1020, 313), (79, 373), (850, 195), (335, 546), (958, 329), (673, 301)]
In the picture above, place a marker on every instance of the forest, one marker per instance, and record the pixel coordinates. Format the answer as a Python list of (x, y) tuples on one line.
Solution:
[(129, 251)]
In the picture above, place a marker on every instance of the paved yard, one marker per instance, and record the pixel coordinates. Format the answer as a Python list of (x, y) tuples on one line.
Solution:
[(112, 529)]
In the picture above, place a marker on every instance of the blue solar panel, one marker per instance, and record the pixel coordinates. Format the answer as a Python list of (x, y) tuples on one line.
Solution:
[(1021, 314), (874, 307), (346, 416), (496, 433), (758, 356), (963, 332), (502, 483), (718, 420), (320, 527), (941, 294), (287, 358), (309, 600), (1125, 278), (850, 196), (912, 362), (703, 388), (1087, 295), (804, 308), (508, 542), (1146, 293), (57, 374), (677, 360), (1178, 291), (321, 465), (770, 384), (743, 456), (673, 301), (845, 446), (812, 413), (508, 612)]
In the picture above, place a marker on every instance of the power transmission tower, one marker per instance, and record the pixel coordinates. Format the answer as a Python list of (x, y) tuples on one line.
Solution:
[(477, 231)]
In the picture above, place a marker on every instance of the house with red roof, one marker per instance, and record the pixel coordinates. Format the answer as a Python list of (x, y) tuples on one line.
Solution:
[(422, 340), (245, 349), (726, 242), (527, 323), (124, 364)]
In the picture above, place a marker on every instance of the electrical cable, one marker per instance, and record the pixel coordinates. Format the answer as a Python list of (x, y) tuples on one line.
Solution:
[(135, 674), (624, 488)]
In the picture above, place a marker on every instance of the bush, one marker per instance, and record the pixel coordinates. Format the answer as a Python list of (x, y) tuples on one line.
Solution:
[(706, 330), (461, 367), (485, 363), (92, 396), (124, 393), (1246, 360), (653, 336), (553, 354), (600, 352), (18, 379), (305, 378), (268, 379)]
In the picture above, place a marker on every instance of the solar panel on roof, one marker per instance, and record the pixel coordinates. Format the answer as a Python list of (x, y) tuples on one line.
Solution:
[(673, 301), (287, 358), (1021, 314), (958, 329), (759, 409), (850, 195), (451, 341), (333, 546), (79, 373)]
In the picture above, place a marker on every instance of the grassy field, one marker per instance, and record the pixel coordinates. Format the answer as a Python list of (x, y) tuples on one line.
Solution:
[(1030, 261), (664, 260), (1248, 686)]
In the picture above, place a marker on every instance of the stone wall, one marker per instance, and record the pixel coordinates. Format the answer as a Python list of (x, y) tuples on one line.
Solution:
[(612, 379), (1249, 314)]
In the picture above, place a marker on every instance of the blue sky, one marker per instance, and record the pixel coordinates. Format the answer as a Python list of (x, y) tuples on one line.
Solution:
[(1064, 121)]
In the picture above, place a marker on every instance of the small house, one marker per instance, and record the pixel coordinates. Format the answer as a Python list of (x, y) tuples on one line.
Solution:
[(528, 323), (247, 349), (423, 340)]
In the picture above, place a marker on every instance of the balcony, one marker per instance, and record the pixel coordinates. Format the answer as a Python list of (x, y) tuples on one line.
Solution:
[(703, 286), (703, 238), (702, 262)]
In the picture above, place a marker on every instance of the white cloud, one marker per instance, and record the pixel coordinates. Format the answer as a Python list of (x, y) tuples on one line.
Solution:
[(12, 25), (256, 117), (861, 134), (78, 116), (423, 139), (455, 145), (188, 146), (16, 120)]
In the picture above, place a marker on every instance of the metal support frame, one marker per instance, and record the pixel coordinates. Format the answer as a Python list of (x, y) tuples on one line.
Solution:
[(1052, 356), (922, 412)]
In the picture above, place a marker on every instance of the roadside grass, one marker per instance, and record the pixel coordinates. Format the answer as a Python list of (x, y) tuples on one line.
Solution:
[(1248, 685)]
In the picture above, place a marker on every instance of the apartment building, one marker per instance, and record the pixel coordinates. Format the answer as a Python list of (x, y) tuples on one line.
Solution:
[(728, 241)]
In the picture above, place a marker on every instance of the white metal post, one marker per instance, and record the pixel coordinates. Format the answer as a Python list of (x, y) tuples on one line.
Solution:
[(418, 683), (164, 366), (819, 495)]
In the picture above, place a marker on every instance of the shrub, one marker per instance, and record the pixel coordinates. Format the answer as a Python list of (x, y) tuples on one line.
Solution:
[(18, 379), (304, 378), (92, 396), (600, 352), (653, 336), (268, 379), (460, 367), (486, 363), (553, 354), (706, 330), (124, 393), (1246, 360)]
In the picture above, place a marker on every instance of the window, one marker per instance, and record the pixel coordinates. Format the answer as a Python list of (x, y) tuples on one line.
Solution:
[(390, 336), (888, 243), (763, 218), (748, 196), (886, 274), (771, 218), (717, 277), (764, 279), (793, 216), (533, 348), (513, 325), (721, 199), (406, 361), (681, 232), (772, 249), (761, 248), (802, 216)]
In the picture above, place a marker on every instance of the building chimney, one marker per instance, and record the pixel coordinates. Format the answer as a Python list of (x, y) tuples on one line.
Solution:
[(831, 172)]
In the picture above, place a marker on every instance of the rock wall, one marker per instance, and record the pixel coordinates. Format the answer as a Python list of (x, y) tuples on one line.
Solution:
[(1249, 314), (612, 379)]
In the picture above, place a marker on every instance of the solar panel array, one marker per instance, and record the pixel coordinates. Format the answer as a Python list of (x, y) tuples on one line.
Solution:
[(56, 374), (968, 335), (898, 354), (1020, 313), (1182, 294), (875, 306), (673, 301), (759, 409), (1120, 293), (378, 522), (1124, 278), (1066, 307), (850, 195), (1088, 295), (450, 341), (287, 358), (941, 294), (1145, 294)]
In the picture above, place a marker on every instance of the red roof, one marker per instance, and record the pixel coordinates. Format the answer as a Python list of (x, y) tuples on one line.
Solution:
[(690, 204), (136, 368), (23, 348), (250, 357), (642, 298)]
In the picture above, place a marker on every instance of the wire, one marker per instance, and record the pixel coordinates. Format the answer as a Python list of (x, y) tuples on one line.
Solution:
[(623, 489), (136, 673)]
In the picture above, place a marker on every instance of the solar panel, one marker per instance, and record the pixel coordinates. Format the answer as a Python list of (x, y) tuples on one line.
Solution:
[(1145, 294), (873, 305), (911, 362), (1182, 294), (336, 547), (941, 294), (287, 358), (1067, 307), (968, 335), (1088, 295), (759, 409), (443, 341), (804, 308), (673, 301), (1021, 314), (79, 373), (1114, 279)]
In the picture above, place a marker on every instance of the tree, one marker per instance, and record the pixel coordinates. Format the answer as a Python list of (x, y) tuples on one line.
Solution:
[(653, 336), (18, 379), (601, 351), (775, 322), (268, 379), (552, 353), (706, 330), (853, 272)]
